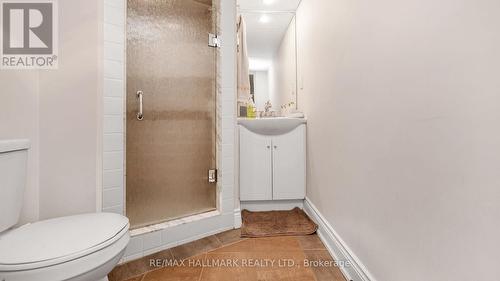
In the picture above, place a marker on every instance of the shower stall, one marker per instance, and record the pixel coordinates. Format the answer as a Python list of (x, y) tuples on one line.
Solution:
[(171, 139)]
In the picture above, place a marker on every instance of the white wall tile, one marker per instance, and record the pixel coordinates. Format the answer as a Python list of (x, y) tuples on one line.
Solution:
[(227, 151), (114, 33), (227, 64), (228, 45), (112, 160), (228, 122), (114, 51), (115, 209), (112, 179), (113, 142), (114, 15), (201, 227), (228, 104), (151, 240), (113, 124), (131, 257), (228, 17), (227, 206), (228, 180), (114, 88), (228, 164), (113, 106), (229, 94), (205, 225), (134, 246), (175, 233), (113, 69), (120, 4), (228, 136), (228, 192), (112, 197), (228, 107)]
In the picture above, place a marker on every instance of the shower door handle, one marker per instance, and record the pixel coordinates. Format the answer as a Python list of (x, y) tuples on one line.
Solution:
[(140, 115)]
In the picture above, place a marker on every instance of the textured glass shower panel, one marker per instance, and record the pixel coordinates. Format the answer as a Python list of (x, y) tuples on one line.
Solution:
[(170, 151)]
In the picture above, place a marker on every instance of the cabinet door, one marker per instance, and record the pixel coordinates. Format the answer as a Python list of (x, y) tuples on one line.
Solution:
[(255, 166), (289, 165)]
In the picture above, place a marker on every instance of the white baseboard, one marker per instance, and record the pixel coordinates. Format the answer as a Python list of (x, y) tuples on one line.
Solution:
[(337, 247), (271, 205), (237, 218)]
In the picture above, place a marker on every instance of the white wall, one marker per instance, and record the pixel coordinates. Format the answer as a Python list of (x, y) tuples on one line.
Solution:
[(403, 107), (283, 70), (261, 84), (19, 108), (58, 111), (69, 107)]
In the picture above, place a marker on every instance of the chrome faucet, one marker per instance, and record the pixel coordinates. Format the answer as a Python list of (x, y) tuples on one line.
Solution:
[(267, 106)]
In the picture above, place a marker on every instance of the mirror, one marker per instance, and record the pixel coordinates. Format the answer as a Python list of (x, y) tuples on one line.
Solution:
[(271, 47)]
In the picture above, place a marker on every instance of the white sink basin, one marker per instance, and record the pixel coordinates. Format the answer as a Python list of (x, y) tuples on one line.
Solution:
[(271, 126)]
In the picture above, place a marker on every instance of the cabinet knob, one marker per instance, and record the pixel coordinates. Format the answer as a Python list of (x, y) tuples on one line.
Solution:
[(268, 146), (275, 146)]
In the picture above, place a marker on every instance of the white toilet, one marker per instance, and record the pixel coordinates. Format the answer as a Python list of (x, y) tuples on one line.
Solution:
[(77, 248)]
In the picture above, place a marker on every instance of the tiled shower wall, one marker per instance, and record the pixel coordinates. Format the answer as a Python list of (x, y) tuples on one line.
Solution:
[(113, 194), (113, 107)]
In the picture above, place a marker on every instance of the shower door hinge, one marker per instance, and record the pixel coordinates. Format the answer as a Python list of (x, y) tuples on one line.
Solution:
[(212, 176), (213, 40)]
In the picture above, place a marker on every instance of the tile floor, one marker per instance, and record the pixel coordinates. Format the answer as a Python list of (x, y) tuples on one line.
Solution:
[(240, 259)]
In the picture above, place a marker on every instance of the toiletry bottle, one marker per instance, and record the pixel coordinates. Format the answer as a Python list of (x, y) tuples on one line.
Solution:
[(250, 109)]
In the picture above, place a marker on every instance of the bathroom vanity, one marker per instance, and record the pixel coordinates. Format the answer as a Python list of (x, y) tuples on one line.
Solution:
[(272, 159)]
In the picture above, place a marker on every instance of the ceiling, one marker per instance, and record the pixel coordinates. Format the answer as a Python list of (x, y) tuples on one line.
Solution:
[(269, 5), (263, 39)]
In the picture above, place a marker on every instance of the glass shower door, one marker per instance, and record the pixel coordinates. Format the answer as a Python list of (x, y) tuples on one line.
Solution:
[(172, 70)]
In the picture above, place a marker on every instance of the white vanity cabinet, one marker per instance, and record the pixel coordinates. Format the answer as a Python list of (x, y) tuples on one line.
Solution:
[(272, 166), (289, 164), (256, 175)]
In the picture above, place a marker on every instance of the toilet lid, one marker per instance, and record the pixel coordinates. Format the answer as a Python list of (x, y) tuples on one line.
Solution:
[(59, 240)]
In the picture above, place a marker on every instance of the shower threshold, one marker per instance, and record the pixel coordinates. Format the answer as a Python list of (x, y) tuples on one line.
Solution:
[(175, 222)]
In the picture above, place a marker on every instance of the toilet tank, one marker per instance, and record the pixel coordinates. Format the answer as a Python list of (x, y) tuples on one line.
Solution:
[(13, 161)]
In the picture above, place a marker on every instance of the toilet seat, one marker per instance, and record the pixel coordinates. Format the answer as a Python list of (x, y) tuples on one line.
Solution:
[(55, 241)]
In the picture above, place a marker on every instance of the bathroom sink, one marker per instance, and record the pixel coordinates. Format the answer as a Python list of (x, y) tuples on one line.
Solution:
[(271, 126)]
